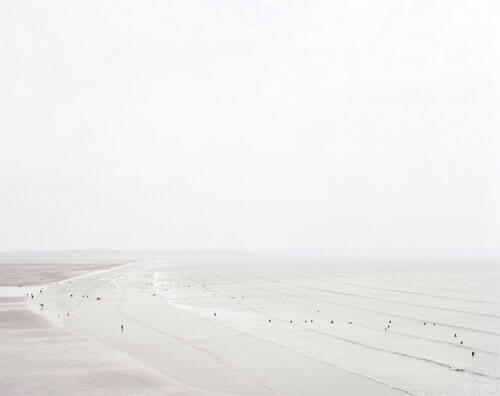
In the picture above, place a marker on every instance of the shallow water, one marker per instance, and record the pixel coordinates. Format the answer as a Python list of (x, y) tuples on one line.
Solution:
[(256, 326)]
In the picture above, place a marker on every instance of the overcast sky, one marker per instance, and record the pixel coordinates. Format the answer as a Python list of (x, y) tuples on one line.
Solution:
[(239, 124)]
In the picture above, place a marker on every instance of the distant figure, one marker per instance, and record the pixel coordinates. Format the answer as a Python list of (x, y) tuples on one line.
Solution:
[(349, 322), (385, 329), (331, 321), (388, 326), (269, 320), (390, 321), (122, 328), (455, 335), (317, 310), (425, 323), (67, 313), (215, 313), (434, 324), (461, 342), (71, 295), (473, 353), (32, 295), (311, 321), (305, 321)]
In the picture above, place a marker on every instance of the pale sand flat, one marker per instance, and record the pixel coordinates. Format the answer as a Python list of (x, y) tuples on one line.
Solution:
[(173, 344), (36, 271), (37, 358)]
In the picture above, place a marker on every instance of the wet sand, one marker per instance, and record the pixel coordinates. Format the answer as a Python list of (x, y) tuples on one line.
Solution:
[(37, 271), (256, 327)]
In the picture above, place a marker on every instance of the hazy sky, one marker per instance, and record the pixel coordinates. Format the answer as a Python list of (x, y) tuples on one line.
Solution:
[(249, 124)]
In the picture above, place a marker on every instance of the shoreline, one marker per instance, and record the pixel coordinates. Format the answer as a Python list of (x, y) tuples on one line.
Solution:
[(205, 325)]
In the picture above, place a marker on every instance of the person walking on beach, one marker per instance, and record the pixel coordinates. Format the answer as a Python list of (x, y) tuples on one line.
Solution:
[(122, 328)]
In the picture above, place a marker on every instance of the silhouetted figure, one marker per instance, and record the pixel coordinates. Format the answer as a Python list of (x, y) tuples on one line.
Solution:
[(349, 322), (291, 321), (434, 324), (455, 335), (425, 323), (390, 321), (71, 295), (331, 321), (215, 313), (122, 328), (473, 353), (32, 296), (461, 342)]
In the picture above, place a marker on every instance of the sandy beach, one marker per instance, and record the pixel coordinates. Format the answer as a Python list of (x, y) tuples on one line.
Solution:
[(250, 198), (20, 271), (241, 326)]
